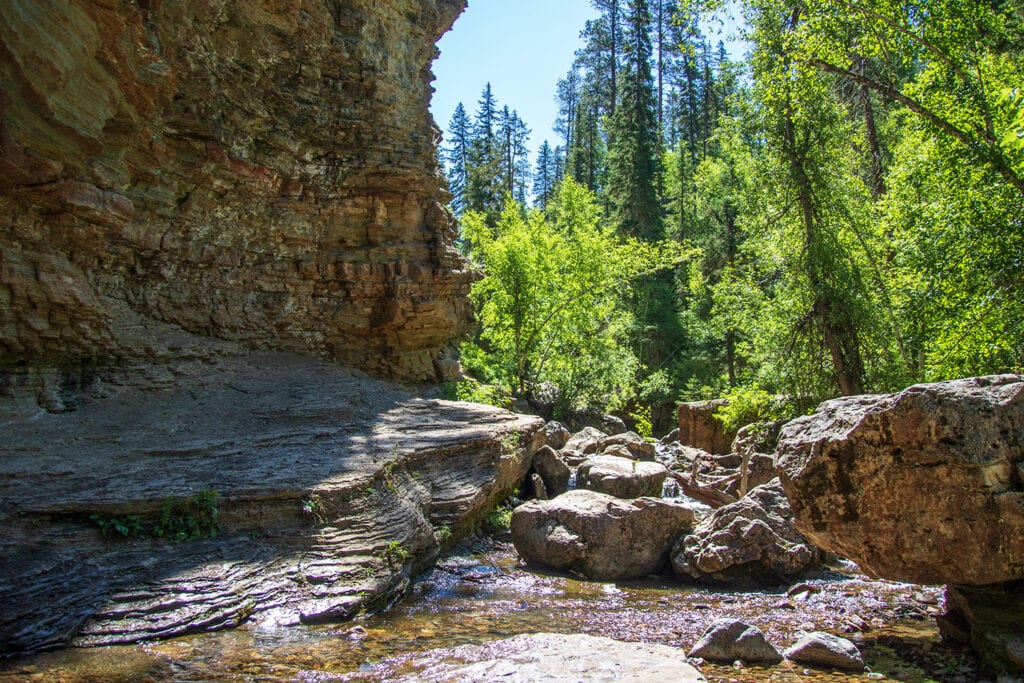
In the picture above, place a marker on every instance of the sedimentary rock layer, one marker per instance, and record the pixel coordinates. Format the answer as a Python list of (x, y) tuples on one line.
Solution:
[(334, 488), (262, 172)]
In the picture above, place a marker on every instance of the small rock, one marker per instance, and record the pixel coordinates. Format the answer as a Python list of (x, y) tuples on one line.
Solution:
[(826, 650), (926, 598), (727, 640), (540, 492), (635, 445)]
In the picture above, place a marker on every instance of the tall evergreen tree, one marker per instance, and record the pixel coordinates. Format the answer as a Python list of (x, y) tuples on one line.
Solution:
[(634, 154), (484, 186), (544, 177), (456, 157)]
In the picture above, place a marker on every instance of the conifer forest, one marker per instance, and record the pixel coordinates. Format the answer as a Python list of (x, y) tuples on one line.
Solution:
[(838, 211)]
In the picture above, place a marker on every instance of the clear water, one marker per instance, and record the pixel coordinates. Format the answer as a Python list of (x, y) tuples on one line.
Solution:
[(485, 594)]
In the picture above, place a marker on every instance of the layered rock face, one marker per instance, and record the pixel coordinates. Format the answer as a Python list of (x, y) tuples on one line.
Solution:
[(260, 172), (333, 489)]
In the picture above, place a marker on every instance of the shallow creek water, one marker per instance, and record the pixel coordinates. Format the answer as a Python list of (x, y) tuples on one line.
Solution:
[(483, 594)]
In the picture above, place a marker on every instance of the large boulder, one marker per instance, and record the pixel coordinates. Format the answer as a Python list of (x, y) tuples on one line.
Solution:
[(922, 486), (621, 477), (753, 538), (598, 535), (699, 428)]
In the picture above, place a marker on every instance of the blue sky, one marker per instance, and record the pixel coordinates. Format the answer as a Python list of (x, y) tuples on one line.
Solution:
[(522, 47)]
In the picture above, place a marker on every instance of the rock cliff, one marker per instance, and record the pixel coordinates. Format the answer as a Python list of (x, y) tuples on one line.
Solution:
[(259, 172)]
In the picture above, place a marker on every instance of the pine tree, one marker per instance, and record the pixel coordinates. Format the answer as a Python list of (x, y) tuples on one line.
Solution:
[(456, 157), (634, 155), (544, 178), (484, 187)]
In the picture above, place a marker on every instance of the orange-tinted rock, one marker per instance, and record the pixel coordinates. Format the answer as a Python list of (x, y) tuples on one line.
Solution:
[(698, 427), (920, 486), (259, 172)]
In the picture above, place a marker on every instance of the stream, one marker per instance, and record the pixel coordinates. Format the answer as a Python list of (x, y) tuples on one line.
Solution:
[(481, 592)]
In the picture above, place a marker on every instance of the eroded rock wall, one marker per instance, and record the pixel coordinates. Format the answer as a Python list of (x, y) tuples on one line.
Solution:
[(255, 171)]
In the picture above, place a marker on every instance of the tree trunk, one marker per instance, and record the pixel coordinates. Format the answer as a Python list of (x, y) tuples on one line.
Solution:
[(874, 148)]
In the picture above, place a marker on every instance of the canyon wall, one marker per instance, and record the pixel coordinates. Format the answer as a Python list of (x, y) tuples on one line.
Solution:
[(256, 171)]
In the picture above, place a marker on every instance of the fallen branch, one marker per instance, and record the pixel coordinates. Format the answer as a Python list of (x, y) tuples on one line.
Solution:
[(706, 495)]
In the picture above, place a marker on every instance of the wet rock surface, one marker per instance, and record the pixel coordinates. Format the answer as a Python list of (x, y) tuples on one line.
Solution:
[(332, 488), (471, 599), (922, 485), (560, 659), (599, 536), (753, 539)]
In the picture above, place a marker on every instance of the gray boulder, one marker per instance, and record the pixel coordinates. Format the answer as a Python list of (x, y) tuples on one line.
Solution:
[(632, 443), (587, 440), (826, 650), (621, 477), (553, 470), (727, 640), (915, 486), (753, 538), (557, 434), (598, 535)]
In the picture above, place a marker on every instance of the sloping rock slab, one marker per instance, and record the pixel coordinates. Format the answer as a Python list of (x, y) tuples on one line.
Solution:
[(753, 538), (603, 537), (558, 659), (331, 486), (922, 486)]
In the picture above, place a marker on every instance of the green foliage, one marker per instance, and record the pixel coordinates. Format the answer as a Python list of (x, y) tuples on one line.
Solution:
[(642, 418), (443, 534), (750, 405), (474, 391), (315, 508), (509, 443), (190, 519), (499, 519), (550, 299), (394, 553)]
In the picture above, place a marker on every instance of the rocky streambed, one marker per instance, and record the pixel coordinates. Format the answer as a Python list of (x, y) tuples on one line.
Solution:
[(483, 594)]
